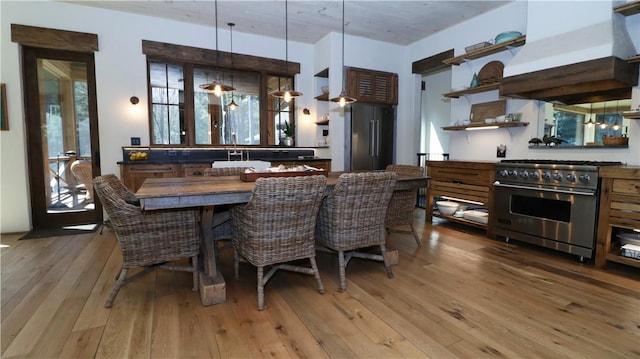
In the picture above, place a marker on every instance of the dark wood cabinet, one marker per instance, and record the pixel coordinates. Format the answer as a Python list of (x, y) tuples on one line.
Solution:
[(134, 175), (372, 86)]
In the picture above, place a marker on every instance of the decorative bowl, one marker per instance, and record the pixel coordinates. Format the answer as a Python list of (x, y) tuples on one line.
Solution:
[(325, 89), (447, 208), (507, 35)]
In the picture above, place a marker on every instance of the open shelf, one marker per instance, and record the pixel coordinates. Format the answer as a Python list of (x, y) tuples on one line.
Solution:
[(325, 122), (634, 59), (460, 220), (472, 90), (323, 97), (488, 50), (635, 115), (481, 125), (628, 9)]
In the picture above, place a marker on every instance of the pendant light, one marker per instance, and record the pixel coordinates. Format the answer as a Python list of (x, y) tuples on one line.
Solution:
[(287, 94), (343, 99), (232, 105), (217, 86), (590, 123)]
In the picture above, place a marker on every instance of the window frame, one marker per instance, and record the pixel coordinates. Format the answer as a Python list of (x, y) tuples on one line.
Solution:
[(191, 57)]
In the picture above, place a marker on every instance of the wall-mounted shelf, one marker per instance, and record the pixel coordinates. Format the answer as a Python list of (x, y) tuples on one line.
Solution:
[(325, 122), (472, 90), (323, 97), (475, 54), (634, 59), (628, 9), (482, 125), (635, 115)]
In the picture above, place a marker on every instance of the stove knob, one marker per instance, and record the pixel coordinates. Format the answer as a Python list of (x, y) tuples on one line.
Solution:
[(503, 173), (524, 174), (558, 176), (513, 173), (546, 175), (534, 175), (571, 177), (585, 178)]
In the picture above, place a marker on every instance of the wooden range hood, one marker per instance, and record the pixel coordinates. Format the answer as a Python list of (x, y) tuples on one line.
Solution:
[(607, 78)]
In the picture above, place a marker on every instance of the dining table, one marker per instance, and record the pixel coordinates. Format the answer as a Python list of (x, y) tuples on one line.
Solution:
[(204, 193)]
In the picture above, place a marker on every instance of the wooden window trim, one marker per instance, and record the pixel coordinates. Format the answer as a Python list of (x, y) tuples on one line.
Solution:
[(198, 56), (53, 39)]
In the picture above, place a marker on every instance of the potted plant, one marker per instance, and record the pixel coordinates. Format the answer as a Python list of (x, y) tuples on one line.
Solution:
[(289, 132)]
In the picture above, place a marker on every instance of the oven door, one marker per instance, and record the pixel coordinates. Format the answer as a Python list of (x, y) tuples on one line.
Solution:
[(554, 218)]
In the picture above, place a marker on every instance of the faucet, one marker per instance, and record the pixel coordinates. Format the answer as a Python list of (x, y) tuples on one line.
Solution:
[(235, 151)]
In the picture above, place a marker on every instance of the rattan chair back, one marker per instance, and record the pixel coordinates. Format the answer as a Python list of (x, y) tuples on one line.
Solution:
[(148, 239), (352, 217), (277, 225), (403, 203)]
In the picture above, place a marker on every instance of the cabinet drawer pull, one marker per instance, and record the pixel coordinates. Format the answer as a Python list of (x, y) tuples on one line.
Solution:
[(637, 186), (197, 173)]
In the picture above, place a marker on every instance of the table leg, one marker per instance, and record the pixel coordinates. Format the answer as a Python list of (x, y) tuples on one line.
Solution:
[(213, 289)]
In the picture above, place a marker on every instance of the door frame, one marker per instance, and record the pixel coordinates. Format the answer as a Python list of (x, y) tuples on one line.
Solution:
[(40, 217)]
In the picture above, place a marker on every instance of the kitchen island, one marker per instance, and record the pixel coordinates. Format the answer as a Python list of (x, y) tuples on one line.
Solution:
[(192, 162)]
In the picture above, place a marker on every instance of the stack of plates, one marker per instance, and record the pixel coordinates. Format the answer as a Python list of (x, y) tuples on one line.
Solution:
[(629, 238), (477, 216)]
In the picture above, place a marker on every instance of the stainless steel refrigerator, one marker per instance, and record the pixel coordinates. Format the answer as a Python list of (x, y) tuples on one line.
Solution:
[(372, 128)]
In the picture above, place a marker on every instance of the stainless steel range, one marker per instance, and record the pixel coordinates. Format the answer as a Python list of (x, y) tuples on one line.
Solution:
[(553, 204)]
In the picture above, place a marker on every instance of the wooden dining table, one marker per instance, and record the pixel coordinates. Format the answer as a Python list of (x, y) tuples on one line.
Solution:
[(205, 193)]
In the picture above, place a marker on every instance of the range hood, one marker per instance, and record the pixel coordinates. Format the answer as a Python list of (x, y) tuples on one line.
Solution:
[(567, 62)]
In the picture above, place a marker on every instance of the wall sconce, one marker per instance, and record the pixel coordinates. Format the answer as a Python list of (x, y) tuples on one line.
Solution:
[(306, 111), (134, 100)]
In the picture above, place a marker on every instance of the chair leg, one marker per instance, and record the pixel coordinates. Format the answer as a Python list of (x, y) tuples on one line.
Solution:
[(387, 265), (260, 288), (116, 287), (415, 235), (194, 265), (341, 269), (316, 274), (236, 264)]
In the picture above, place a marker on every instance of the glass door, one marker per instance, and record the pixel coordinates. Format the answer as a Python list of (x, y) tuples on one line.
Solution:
[(62, 140)]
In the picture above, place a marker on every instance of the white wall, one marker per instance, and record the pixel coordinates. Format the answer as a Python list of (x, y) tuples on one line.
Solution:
[(481, 145), (121, 73)]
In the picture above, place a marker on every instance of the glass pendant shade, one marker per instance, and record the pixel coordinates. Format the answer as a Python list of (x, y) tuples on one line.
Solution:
[(287, 94), (217, 86)]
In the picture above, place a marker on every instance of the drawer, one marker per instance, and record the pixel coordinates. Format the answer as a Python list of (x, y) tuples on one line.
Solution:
[(461, 175), (462, 191), (626, 186), (194, 170)]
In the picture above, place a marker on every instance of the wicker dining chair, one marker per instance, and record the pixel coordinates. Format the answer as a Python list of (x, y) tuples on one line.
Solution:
[(403, 203), (149, 239), (277, 226), (352, 217), (221, 222)]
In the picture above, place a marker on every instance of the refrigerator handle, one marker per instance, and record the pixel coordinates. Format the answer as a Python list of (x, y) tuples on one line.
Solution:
[(372, 136), (378, 138)]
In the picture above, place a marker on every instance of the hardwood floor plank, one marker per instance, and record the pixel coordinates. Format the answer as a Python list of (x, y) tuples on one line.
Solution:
[(31, 316), (459, 295)]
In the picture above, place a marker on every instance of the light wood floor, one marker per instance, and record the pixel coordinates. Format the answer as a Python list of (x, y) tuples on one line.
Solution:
[(459, 295)]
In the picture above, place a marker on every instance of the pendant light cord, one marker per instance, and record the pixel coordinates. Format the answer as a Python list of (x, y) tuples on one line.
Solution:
[(286, 36), (217, 51), (342, 70)]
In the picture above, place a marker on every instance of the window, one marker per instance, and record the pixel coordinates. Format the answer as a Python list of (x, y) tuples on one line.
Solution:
[(279, 112), (183, 114), (216, 123)]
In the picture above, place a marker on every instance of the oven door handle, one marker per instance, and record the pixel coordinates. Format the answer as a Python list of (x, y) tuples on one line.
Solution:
[(498, 184)]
